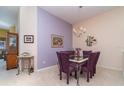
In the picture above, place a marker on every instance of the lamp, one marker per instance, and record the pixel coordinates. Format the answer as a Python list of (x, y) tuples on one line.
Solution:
[(79, 30)]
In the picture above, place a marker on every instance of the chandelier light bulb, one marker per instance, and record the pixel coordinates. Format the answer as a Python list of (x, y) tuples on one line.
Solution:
[(74, 30), (81, 28), (84, 29), (89, 35)]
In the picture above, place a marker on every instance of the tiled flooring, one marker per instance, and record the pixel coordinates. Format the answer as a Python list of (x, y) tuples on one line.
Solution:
[(50, 77)]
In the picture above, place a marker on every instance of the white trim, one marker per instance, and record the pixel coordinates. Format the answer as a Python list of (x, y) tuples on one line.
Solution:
[(112, 68), (36, 27), (46, 68)]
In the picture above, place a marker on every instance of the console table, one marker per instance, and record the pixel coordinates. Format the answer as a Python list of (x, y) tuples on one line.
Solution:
[(21, 60)]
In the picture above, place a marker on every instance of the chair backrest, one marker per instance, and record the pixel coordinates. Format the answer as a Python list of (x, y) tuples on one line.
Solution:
[(86, 54), (97, 57), (59, 59), (63, 59), (69, 52), (91, 60)]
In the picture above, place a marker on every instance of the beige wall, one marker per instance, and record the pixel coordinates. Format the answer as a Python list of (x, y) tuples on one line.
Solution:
[(108, 28), (28, 26)]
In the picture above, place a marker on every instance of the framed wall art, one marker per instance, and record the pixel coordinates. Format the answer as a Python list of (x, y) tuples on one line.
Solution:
[(28, 38), (57, 41)]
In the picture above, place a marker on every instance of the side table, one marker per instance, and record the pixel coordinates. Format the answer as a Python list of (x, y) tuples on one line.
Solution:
[(21, 59)]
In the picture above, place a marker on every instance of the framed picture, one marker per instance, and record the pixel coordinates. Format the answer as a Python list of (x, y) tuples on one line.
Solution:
[(28, 38), (57, 41)]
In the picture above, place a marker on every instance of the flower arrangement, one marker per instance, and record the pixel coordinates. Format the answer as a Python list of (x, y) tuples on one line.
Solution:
[(77, 51), (90, 40)]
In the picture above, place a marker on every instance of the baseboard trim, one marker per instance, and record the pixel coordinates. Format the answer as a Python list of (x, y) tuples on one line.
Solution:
[(112, 68), (106, 67), (46, 68)]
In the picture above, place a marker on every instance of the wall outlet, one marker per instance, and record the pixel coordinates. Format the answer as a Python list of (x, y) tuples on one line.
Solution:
[(44, 62)]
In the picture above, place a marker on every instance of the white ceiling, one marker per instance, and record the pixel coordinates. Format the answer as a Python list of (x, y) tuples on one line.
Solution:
[(74, 14), (8, 16)]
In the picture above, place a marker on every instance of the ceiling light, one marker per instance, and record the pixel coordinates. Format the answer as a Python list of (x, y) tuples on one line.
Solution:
[(78, 30)]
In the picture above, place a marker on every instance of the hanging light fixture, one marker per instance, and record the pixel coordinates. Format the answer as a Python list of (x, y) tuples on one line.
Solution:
[(79, 30)]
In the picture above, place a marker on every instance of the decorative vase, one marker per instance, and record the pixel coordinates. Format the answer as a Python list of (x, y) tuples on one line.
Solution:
[(78, 51)]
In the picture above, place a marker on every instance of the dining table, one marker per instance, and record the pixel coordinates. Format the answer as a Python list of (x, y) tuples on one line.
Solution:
[(79, 61)]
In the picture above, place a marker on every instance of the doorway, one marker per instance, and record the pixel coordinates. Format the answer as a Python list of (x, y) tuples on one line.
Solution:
[(3, 48), (8, 24)]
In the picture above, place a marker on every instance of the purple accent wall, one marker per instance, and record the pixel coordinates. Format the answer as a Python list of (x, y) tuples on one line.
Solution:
[(49, 24)]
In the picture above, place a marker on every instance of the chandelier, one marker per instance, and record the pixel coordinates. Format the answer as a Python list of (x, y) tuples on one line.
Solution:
[(79, 30)]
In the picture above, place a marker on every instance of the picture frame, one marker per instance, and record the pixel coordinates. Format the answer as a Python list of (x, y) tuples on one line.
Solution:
[(28, 38), (57, 41)]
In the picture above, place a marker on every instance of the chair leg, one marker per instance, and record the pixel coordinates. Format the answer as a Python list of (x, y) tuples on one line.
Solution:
[(95, 70), (68, 74), (81, 72), (88, 76), (91, 74), (75, 74), (60, 75)]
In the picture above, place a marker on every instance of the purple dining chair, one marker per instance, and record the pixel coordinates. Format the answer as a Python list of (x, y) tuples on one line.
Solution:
[(88, 68), (64, 64), (96, 61), (86, 53), (68, 52)]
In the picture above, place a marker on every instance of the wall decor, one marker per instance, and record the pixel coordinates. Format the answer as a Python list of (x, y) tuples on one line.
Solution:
[(28, 38), (57, 41), (90, 41)]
